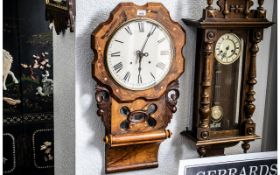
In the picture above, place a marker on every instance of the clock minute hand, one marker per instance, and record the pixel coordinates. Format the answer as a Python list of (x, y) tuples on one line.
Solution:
[(140, 53), (147, 38)]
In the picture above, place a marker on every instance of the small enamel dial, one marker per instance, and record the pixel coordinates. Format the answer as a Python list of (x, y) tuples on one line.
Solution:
[(139, 54), (228, 48)]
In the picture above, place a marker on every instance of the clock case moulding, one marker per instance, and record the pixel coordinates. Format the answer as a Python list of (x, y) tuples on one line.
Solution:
[(135, 147), (233, 16)]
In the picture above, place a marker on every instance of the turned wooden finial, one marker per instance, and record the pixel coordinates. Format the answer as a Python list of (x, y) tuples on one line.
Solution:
[(209, 2), (260, 3), (245, 146), (261, 10), (226, 8), (249, 4)]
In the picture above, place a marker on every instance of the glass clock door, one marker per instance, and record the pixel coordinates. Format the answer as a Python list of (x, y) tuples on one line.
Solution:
[(226, 81)]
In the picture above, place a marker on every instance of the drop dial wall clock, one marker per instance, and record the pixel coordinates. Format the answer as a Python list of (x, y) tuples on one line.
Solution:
[(138, 60), (225, 75)]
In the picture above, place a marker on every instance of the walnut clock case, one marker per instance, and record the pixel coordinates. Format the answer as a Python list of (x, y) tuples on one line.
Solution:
[(138, 60), (225, 75)]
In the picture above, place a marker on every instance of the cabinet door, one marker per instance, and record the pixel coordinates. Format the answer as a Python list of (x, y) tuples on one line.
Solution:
[(28, 92)]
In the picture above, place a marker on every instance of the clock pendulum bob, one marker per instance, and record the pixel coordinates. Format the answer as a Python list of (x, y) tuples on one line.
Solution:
[(225, 75), (138, 60)]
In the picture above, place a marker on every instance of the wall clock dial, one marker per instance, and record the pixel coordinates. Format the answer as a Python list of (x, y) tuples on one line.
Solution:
[(228, 48), (140, 54)]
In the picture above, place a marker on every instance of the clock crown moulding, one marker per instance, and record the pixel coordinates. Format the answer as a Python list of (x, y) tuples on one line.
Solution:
[(225, 68), (236, 13), (126, 12)]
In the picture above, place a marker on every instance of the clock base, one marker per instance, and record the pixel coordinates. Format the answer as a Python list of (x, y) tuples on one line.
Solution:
[(216, 147), (132, 157)]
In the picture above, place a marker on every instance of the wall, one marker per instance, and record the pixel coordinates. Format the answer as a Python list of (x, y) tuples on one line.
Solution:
[(269, 142), (64, 102), (89, 128)]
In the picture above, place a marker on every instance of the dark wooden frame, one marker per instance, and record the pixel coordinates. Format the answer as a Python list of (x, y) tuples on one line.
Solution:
[(237, 17), (135, 147), (62, 16)]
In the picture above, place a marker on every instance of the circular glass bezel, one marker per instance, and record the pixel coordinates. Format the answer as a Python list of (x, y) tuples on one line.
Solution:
[(111, 72), (236, 57)]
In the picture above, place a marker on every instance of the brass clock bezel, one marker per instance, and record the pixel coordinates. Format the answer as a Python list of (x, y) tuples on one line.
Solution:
[(240, 51)]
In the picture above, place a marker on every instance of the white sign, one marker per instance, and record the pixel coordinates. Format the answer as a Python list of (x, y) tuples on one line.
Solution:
[(263, 163)]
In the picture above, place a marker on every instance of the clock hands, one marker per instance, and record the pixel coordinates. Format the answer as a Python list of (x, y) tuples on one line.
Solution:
[(140, 53), (226, 51), (224, 54)]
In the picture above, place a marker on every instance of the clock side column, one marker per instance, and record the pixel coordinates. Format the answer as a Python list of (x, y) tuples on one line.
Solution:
[(249, 125), (205, 101)]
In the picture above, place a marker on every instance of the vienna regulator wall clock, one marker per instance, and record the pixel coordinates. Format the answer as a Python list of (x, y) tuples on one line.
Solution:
[(138, 60), (227, 45)]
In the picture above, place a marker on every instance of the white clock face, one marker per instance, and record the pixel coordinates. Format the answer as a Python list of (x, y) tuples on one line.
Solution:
[(139, 54), (228, 48)]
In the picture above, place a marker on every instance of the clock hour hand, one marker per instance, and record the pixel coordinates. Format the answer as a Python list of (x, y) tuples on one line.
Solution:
[(137, 56)]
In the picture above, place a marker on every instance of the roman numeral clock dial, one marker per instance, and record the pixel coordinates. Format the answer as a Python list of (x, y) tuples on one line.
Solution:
[(228, 48), (139, 54)]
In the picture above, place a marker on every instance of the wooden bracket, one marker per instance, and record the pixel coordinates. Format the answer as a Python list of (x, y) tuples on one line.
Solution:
[(131, 157), (133, 151)]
